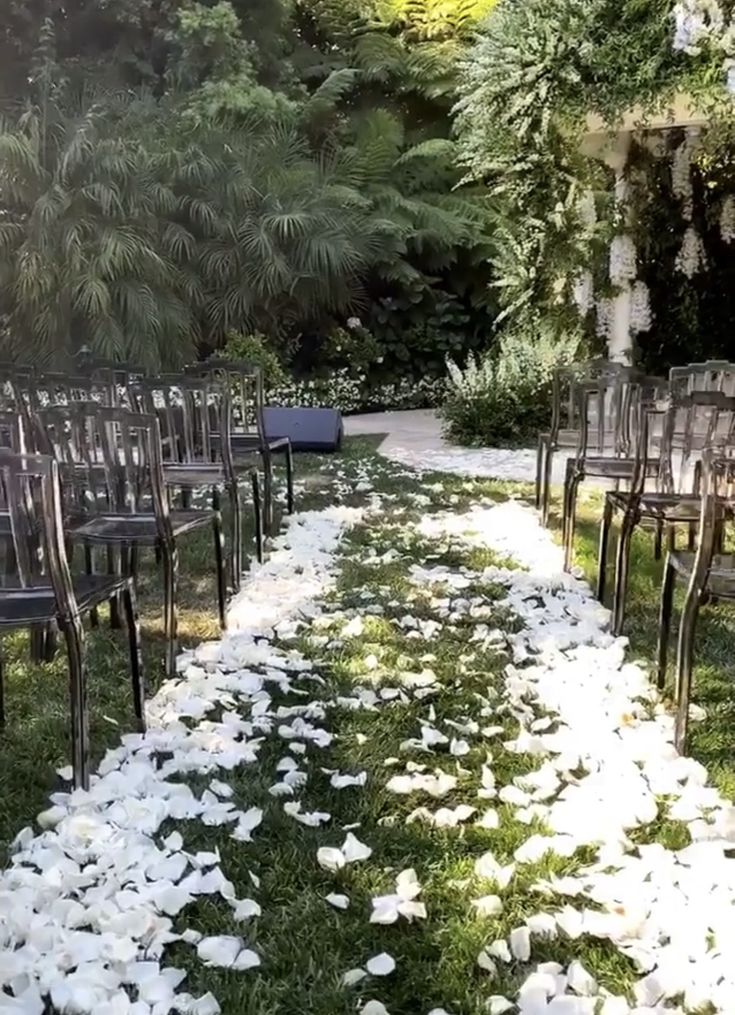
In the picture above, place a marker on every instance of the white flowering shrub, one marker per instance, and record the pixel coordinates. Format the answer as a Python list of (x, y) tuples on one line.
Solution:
[(505, 398), (351, 393)]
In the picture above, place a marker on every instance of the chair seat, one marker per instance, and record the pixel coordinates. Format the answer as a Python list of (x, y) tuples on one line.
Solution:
[(194, 474), (37, 605), (252, 443), (566, 439), (610, 468), (667, 507), (134, 528), (721, 581)]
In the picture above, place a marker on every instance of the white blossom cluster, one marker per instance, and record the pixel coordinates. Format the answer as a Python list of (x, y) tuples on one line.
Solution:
[(700, 24), (604, 317), (583, 292), (640, 309), (586, 209), (727, 219), (697, 23), (622, 259), (691, 258), (681, 176)]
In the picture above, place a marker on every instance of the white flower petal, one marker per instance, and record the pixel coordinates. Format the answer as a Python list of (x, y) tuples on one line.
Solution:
[(381, 965), (338, 901)]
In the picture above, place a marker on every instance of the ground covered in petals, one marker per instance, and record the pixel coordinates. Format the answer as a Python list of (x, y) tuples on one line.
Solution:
[(416, 776)]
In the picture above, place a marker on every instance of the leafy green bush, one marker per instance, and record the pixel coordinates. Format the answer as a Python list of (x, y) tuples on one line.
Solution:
[(254, 349), (505, 398)]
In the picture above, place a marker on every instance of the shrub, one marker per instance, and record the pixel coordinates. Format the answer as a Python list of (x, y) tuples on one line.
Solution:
[(353, 393), (254, 349), (505, 398)]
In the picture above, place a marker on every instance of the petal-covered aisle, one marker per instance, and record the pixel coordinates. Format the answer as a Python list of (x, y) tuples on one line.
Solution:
[(417, 776)]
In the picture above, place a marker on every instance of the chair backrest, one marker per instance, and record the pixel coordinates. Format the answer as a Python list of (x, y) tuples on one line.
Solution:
[(693, 422), (117, 377), (712, 375), (195, 415), (17, 382), (718, 494), (48, 389), (244, 382), (607, 410), (110, 460), (564, 402), (33, 495)]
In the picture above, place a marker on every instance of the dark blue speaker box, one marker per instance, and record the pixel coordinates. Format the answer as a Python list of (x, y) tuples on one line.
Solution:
[(308, 429)]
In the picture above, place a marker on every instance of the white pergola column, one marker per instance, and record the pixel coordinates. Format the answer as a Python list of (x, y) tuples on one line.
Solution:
[(620, 341)]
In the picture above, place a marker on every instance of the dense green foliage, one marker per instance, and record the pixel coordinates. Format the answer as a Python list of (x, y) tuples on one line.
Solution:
[(536, 70), (171, 173), (505, 398)]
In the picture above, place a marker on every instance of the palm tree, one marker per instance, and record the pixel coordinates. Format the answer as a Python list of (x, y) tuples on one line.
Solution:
[(88, 251)]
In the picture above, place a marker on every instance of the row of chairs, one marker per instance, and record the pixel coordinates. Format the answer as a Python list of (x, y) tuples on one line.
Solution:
[(666, 448), (99, 459)]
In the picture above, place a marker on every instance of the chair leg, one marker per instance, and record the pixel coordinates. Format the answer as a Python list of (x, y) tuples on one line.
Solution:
[(236, 551), (540, 448), (267, 491), (658, 540), (170, 555), (114, 567), (219, 554), (570, 504), (664, 624), (2, 692), (137, 676), (74, 635), (258, 515), (546, 485), (89, 569), (50, 642), (684, 655), (605, 523), (290, 500), (622, 564)]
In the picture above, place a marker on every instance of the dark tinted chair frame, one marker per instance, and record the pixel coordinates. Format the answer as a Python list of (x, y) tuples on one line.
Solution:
[(245, 383), (34, 502), (708, 574), (116, 455)]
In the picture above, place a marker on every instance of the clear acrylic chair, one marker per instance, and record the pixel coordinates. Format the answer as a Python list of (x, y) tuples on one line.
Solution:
[(707, 572), (563, 432), (249, 439), (44, 592), (671, 497), (195, 415), (606, 411), (115, 495)]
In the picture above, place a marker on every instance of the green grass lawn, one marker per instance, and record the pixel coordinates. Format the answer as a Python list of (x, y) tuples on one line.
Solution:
[(306, 945)]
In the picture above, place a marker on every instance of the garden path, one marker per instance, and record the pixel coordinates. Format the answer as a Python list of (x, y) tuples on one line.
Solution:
[(414, 437), (416, 776)]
